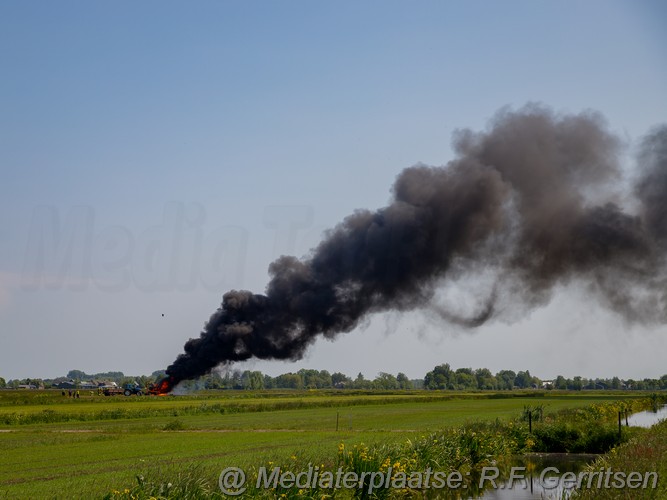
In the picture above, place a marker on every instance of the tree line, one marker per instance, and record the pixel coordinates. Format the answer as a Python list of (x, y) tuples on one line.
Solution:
[(442, 377), (305, 379)]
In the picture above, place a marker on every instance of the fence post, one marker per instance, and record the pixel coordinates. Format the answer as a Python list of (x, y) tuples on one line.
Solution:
[(530, 421)]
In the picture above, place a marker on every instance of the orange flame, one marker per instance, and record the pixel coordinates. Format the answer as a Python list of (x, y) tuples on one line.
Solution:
[(163, 387)]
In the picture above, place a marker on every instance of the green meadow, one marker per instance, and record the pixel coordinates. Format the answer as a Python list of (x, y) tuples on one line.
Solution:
[(58, 447)]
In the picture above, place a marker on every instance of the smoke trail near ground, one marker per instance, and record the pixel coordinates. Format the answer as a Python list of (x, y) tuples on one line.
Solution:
[(534, 198)]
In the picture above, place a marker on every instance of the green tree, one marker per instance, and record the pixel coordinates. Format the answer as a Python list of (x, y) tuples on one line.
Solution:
[(257, 381), (439, 377), (313, 379), (505, 379), (232, 380), (124, 381), (77, 375), (403, 381), (245, 379), (485, 380), (361, 383), (385, 381), (212, 381), (651, 384), (289, 381), (465, 379), (324, 380), (3, 384), (309, 378), (560, 383), (145, 381), (253, 380), (115, 376), (523, 380), (340, 380)]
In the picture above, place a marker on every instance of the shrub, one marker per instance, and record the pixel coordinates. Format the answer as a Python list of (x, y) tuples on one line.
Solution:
[(174, 425)]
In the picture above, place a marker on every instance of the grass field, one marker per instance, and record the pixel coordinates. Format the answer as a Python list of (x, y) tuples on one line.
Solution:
[(58, 447)]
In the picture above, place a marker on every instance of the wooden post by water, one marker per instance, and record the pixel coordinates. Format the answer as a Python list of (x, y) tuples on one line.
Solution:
[(530, 422)]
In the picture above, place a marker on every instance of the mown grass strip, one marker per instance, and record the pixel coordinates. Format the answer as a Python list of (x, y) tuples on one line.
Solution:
[(136, 408)]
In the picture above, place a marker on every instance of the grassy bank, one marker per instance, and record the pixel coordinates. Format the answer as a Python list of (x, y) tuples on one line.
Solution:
[(644, 453)]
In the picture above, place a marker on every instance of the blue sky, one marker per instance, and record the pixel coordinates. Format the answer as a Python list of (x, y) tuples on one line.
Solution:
[(156, 154)]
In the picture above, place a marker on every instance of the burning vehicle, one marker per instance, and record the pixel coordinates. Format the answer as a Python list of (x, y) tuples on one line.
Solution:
[(160, 388)]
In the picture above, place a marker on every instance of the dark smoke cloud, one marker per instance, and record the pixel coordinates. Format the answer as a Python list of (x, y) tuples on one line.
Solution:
[(532, 198)]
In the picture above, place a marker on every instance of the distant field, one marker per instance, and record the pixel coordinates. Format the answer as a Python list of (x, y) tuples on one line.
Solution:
[(57, 447)]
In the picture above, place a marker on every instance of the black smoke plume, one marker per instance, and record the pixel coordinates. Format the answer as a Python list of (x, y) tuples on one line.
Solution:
[(536, 198)]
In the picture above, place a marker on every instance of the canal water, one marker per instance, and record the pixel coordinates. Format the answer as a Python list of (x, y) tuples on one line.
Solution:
[(537, 476), (537, 486), (531, 482), (648, 418)]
